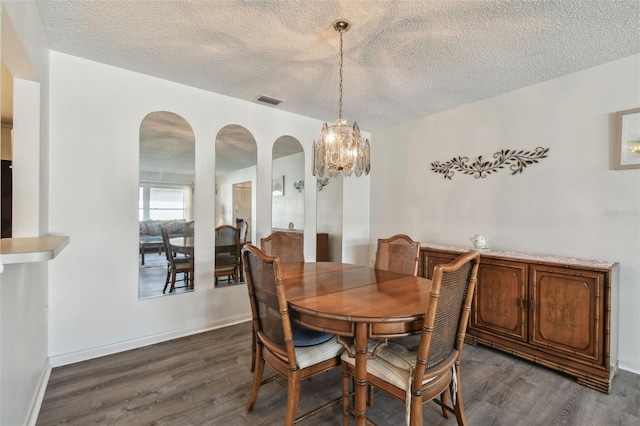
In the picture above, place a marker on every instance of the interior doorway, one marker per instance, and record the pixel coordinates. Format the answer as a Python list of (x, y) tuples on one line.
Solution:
[(242, 205)]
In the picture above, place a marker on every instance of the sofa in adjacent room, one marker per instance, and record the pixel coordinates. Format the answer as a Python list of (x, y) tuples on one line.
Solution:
[(150, 237)]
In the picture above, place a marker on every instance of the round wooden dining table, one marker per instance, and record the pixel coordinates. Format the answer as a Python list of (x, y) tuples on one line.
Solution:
[(359, 302)]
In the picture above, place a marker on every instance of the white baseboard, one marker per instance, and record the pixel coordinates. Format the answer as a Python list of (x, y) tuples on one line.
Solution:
[(84, 355), (631, 367), (39, 396)]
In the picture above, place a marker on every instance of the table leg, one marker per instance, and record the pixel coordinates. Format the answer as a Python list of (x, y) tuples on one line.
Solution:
[(360, 378)]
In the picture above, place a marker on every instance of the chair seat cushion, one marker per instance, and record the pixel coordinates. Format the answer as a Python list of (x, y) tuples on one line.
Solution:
[(310, 355), (303, 336), (183, 266), (393, 364)]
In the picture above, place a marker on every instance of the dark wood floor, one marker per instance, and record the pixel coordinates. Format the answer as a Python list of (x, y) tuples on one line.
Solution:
[(205, 379)]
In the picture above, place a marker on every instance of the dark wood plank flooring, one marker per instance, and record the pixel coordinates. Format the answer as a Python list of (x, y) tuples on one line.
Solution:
[(205, 379)]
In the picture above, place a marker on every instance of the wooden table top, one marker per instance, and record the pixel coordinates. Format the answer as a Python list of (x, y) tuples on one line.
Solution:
[(186, 242), (360, 293)]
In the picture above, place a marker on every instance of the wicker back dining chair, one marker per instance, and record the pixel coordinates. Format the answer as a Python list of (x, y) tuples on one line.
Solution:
[(277, 343), (175, 266), (420, 373), (286, 246), (227, 259), (398, 253)]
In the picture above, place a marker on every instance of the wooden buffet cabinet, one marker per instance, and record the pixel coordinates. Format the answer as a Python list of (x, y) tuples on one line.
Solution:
[(556, 311)]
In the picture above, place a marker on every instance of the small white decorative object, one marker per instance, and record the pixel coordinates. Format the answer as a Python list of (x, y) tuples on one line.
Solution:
[(480, 242)]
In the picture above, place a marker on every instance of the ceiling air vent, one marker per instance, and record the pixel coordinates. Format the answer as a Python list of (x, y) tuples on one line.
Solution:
[(268, 100)]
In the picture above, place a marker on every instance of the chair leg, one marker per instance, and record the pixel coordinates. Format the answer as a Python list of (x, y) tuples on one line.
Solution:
[(257, 378), (253, 350), (415, 417), (173, 281), (293, 397), (345, 395), (458, 407), (166, 281), (444, 398)]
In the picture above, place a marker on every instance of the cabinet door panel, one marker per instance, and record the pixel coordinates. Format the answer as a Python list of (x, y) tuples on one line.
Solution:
[(567, 311), (499, 304)]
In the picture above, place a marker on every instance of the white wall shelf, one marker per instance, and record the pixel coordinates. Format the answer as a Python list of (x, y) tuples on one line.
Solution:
[(26, 250)]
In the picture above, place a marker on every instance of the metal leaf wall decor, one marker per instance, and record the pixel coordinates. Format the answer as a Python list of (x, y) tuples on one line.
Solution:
[(322, 183), (516, 160)]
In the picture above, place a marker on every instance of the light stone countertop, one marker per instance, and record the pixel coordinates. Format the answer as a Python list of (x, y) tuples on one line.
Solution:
[(34, 249), (527, 257)]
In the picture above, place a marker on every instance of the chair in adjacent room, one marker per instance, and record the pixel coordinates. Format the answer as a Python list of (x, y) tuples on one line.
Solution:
[(175, 266), (286, 246), (420, 373), (227, 252), (189, 228), (243, 227), (293, 351), (398, 253)]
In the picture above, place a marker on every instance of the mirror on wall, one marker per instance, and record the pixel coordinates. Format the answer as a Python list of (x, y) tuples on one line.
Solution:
[(165, 205), (329, 219), (287, 186), (236, 160)]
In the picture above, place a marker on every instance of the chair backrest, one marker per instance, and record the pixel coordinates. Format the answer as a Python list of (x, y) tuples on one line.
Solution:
[(167, 246), (286, 246), (189, 229), (446, 318), (228, 240), (244, 228), (398, 253), (268, 302)]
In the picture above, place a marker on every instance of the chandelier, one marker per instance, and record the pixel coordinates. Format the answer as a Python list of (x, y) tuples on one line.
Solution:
[(340, 147)]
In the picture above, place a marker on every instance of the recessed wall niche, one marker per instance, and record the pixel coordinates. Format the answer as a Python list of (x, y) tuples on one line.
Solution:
[(165, 204)]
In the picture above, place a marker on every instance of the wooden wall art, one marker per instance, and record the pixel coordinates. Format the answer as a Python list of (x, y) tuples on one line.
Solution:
[(516, 160)]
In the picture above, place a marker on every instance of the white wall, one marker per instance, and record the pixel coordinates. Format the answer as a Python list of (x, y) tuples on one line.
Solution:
[(224, 199), (289, 207), (569, 204), (24, 365), (96, 111)]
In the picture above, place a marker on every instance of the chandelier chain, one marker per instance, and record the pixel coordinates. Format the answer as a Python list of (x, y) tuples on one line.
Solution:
[(341, 61), (341, 149)]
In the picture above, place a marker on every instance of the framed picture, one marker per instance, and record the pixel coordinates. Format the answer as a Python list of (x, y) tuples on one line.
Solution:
[(627, 143), (277, 186)]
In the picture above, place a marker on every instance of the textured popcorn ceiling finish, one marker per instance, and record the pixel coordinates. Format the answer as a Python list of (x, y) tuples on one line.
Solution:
[(403, 59)]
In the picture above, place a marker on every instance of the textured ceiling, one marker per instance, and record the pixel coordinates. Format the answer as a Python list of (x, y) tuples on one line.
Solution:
[(403, 59)]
